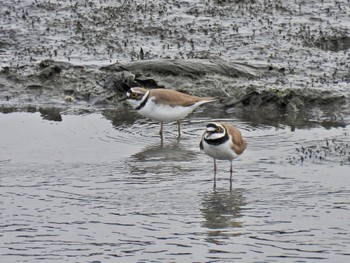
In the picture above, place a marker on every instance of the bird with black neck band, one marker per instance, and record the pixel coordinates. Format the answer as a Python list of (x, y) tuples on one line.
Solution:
[(222, 141), (163, 105)]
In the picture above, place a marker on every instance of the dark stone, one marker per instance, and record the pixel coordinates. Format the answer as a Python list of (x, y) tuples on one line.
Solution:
[(50, 73)]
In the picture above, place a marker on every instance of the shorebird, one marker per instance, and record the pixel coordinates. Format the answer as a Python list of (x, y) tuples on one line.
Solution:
[(163, 105), (222, 141)]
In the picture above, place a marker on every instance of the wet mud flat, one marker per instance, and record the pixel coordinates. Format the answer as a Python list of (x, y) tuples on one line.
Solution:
[(96, 188), (282, 54)]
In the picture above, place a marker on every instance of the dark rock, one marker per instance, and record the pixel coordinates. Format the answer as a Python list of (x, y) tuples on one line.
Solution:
[(147, 82), (51, 114), (50, 73), (117, 82)]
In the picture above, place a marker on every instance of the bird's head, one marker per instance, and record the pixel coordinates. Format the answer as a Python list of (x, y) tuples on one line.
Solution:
[(135, 96), (214, 131)]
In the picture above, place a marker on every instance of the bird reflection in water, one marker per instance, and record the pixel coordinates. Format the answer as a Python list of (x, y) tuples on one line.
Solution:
[(162, 159), (222, 212)]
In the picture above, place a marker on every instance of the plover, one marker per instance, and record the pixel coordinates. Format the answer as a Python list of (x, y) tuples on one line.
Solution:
[(222, 141), (164, 105)]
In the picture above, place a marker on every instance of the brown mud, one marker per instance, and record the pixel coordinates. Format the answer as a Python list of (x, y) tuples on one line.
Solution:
[(275, 57)]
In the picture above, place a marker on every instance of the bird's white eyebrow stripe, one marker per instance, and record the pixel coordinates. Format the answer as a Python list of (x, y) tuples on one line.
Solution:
[(210, 129)]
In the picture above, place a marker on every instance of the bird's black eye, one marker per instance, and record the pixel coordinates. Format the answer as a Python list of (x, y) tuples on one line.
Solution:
[(133, 95), (218, 129)]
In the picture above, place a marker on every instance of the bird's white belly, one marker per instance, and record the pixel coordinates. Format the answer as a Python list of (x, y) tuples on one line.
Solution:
[(161, 112), (220, 152)]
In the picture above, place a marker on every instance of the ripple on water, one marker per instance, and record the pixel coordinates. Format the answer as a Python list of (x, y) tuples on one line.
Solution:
[(157, 202)]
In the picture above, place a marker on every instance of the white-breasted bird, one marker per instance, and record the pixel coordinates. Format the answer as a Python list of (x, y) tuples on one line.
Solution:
[(222, 141), (164, 105)]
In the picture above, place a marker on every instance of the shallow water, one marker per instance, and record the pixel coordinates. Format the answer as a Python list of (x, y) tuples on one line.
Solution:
[(84, 189)]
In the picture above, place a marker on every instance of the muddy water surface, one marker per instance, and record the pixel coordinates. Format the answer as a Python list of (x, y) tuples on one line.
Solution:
[(84, 189)]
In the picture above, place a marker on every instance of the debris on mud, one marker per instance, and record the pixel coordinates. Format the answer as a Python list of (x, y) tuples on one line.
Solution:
[(330, 151)]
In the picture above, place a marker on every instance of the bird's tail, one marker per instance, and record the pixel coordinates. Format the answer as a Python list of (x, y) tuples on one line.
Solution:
[(207, 100)]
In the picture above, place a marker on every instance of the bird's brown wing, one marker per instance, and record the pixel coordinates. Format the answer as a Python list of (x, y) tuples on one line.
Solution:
[(172, 97), (239, 144)]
